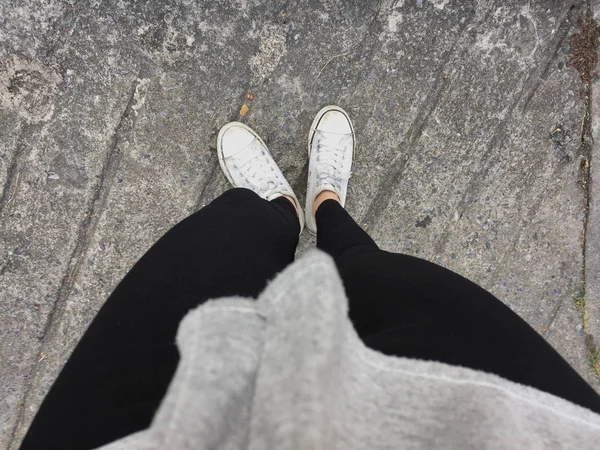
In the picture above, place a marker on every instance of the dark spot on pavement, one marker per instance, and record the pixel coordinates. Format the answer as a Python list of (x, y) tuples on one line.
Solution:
[(559, 138), (423, 223), (584, 55), (25, 80)]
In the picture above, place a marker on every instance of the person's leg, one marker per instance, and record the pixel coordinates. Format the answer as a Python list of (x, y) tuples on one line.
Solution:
[(119, 372), (405, 306)]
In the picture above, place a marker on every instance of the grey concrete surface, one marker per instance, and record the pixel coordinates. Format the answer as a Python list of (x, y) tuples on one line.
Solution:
[(468, 122)]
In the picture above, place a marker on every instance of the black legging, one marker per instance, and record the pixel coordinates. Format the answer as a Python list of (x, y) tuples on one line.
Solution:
[(114, 381)]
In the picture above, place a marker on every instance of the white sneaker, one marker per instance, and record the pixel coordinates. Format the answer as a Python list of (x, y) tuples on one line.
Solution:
[(247, 163), (331, 152)]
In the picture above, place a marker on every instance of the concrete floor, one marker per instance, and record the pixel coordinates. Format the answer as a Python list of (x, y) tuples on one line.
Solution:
[(474, 143)]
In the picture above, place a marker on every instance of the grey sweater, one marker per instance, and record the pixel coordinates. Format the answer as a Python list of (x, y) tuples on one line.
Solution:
[(288, 371)]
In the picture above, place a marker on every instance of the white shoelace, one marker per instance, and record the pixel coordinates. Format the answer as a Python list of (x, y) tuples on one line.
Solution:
[(258, 171), (329, 161)]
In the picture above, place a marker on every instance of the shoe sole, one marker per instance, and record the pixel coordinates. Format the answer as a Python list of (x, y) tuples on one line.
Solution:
[(313, 129), (223, 130)]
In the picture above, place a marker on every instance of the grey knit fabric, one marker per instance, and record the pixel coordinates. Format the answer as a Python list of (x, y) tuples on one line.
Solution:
[(289, 372)]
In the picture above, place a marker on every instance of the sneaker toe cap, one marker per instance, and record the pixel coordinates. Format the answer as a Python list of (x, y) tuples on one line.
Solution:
[(334, 122), (235, 140)]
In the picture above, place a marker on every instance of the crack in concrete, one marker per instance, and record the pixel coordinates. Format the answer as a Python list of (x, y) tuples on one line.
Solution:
[(531, 84), (385, 188), (87, 229), (88, 225), (585, 180), (13, 169), (585, 155)]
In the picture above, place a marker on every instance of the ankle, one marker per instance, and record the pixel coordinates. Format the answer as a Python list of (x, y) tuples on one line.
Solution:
[(324, 195), (293, 202)]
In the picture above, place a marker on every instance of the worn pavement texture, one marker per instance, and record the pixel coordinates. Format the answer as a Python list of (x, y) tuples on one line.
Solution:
[(475, 139)]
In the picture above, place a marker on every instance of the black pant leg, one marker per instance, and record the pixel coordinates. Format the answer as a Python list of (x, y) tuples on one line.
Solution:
[(337, 232), (406, 306), (118, 374)]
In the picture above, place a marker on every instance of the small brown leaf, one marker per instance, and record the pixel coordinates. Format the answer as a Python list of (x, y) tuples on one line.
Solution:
[(244, 110), (249, 96)]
